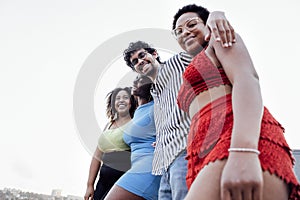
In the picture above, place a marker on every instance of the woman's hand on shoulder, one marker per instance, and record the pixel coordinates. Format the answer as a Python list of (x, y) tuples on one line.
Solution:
[(218, 26), (242, 177)]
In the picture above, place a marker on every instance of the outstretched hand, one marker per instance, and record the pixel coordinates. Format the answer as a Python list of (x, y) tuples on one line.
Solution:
[(218, 26)]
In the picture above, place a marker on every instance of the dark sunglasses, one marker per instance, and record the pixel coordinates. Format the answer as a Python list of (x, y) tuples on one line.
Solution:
[(141, 56)]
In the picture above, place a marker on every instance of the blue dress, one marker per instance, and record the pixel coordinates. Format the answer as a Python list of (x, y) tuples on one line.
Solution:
[(140, 135)]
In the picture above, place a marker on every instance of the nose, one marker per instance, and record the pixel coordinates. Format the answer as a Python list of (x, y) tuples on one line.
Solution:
[(140, 61), (185, 32), (139, 65), (121, 99)]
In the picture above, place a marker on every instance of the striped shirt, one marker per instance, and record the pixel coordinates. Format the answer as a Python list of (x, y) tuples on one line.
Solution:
[(172, 124)]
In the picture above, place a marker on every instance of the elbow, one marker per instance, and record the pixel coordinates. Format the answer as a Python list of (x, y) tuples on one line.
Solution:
[(254, 80), (255, 76)]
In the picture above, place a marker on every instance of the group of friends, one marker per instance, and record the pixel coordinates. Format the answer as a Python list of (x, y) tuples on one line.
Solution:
[(194, 126)]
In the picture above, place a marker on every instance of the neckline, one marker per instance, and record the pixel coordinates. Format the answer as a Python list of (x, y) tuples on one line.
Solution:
[(146, 104), (118, 126)]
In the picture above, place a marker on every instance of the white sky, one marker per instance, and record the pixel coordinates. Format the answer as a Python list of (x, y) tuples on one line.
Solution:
[(43, 45)]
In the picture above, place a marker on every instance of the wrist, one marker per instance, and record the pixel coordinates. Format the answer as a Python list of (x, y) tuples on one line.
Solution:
[(243, 141), (244, 150), (89, 184)]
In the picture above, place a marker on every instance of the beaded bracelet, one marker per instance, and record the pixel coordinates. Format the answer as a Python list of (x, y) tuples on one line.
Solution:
[(244, 150)]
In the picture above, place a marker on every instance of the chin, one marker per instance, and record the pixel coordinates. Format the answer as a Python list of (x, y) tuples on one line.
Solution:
[(194, 50), (125, 110)]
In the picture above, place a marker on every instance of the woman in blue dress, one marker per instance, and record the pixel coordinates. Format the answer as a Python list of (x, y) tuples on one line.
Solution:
[(138, 182)]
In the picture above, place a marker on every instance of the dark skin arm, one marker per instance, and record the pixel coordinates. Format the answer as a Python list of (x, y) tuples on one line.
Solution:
[(242, 174), (94, 169)]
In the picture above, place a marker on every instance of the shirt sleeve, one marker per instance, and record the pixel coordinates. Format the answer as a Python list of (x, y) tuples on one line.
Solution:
[(185, 58)]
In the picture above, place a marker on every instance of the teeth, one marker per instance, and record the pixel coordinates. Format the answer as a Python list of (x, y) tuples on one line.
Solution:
[(145, 67)]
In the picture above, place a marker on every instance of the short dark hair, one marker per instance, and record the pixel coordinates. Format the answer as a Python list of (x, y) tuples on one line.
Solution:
[(110, 103), (202, 12), (134, 47), (144, 91)]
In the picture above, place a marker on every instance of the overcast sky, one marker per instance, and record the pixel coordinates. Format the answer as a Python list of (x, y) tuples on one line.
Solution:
[(44, 44)]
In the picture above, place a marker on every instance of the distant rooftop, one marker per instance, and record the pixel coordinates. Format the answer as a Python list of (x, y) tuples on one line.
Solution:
[(16, 194)]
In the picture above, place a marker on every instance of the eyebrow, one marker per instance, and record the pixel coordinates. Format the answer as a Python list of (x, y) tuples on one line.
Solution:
[(187, 20)]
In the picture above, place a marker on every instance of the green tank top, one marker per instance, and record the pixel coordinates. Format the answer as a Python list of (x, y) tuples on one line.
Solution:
[(112, 140)]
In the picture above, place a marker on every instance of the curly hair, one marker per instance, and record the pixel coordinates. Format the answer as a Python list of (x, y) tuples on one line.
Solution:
[(202, 12), (111, 99), (134, 47)]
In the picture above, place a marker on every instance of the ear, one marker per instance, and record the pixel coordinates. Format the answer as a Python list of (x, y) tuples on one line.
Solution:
[(155, 54)]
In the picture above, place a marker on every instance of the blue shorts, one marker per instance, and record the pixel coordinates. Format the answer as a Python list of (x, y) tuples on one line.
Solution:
[(173, 183)]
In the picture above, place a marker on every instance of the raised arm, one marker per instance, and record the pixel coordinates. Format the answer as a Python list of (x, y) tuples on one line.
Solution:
[(220, 28)]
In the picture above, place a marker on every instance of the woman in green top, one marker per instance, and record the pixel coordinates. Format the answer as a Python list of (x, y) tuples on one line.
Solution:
[(111, 147)]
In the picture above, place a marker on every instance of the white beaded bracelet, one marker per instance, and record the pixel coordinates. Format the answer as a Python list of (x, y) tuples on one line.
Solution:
[(244, 150)]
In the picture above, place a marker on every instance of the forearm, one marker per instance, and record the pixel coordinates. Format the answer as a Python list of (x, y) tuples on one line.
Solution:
[(95, 166), (247, 111), (93, 172)]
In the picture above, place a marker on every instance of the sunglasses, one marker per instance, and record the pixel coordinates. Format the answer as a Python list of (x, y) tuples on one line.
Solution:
[(140, 56)]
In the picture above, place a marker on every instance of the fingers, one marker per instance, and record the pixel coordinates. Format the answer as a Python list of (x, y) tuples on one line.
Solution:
[(227, 35), (238, 194), (207, 33), (222, 31), (220, 28), (247, 195), (225, 194), (231, 33), (257, 193), (88, 196), (225, 32), (214, 30), (232, 194)]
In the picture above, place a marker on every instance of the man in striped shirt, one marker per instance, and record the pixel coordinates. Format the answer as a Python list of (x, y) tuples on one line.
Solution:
[(172, 124)]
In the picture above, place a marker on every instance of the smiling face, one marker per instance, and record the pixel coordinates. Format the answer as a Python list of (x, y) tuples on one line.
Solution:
[(191, 37), (144, 63), (122, 103)]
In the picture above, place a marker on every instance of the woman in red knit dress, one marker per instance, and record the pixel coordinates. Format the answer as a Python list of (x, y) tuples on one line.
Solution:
[(236, 148)]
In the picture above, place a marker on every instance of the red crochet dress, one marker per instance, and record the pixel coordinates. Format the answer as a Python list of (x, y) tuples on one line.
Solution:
[(211, 128)]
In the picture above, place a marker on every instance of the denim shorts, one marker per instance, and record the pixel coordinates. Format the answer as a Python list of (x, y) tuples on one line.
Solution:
[(173, 181)]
